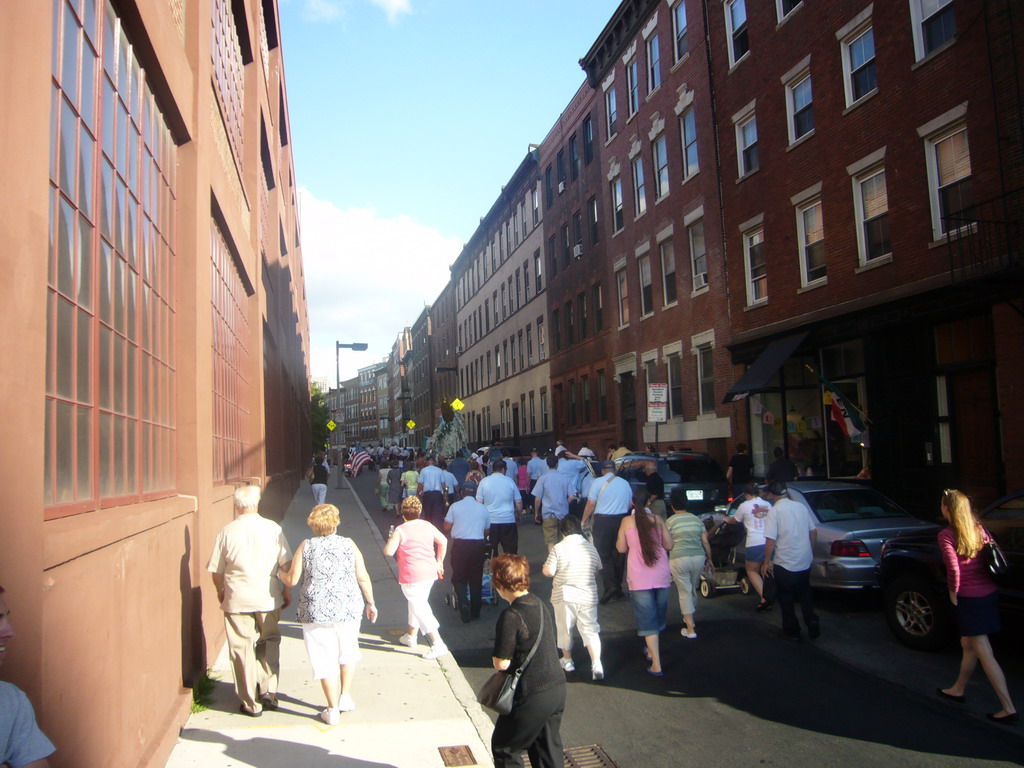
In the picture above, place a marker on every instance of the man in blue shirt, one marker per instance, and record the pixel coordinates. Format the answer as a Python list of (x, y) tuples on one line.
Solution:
[(501, 496), (607, 503), (429, 489), (574, 468), (551, 500), (468, 522)]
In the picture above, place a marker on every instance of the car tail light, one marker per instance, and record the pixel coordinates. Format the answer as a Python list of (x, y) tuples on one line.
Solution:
[(849, 548)]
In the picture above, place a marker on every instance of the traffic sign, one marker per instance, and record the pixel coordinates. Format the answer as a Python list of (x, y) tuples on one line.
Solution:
[(331, 425), (657, 402), (457, 405), (410, 424)]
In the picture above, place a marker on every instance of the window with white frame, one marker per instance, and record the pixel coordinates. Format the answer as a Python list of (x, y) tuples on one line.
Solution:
[(949, 180), (660, 155), (592, 221), (811, 233), (698, 255), (639, 187), (785, 7), (673, 362), (668, 272), (757, 271), (871, 203), (861, 76), (688, 139), (706, 378), (653, 64), (736, 28), (746, 145), (934, 24), (535, 203), (800, 103), (646, 287), (682, 44), (616, 190), (633, 86), (611, 112), (623, 286)]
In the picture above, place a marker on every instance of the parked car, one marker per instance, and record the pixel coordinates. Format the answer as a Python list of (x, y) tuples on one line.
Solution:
[(913, 578), (698, 473)]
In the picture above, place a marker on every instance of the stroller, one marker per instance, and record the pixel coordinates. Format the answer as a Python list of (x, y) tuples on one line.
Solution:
[(487, 594), (729, 571)]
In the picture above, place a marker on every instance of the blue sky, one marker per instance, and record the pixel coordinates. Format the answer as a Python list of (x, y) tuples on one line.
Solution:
[(407, 117)]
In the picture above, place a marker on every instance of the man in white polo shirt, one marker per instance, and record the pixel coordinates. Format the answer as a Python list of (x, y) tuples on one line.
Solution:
[(468, 521), (789, 532), (607, 503), (501, 496)]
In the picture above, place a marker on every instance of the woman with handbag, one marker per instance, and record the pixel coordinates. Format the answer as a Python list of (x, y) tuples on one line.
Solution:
[(524, 645), (975, 597)]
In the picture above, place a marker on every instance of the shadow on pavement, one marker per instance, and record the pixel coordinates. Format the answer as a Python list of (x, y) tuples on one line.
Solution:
[(263, 752)]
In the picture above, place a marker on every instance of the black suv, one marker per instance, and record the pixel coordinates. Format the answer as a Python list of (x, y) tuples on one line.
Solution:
[(697, 473), (913, 578)]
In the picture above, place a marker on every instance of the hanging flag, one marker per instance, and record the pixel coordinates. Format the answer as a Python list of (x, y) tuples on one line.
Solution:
[(848, 416), (360, 458)]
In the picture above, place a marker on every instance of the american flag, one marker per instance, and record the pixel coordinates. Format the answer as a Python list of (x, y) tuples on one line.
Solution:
[(358, 460)]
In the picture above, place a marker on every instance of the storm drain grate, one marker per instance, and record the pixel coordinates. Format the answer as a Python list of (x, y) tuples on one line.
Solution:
[(455, 756), (590, 756)]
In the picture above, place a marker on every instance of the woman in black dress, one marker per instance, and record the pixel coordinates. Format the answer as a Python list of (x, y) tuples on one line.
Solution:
[(536, 716)]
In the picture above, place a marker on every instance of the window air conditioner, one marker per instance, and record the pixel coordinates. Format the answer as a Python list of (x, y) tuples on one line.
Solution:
[(458, 350), (577, 251), (561, 187), (701, 280)]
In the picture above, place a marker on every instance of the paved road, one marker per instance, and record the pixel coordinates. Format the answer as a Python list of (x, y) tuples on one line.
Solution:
[(741, 695)]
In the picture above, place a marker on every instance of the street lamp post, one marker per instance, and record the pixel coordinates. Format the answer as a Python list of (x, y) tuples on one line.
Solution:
[(356, 347)]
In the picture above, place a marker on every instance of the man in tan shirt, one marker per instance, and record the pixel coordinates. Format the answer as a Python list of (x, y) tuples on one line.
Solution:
[(246, 558)]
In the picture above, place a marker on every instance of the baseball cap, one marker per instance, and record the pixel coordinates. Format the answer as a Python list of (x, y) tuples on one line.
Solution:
[(469, 485), (778, 488), (607, 465)]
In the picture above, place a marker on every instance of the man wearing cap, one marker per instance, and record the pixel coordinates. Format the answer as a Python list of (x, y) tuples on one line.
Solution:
[(790, 533), (607, 503), (430, 489), (501, 496), (551, 499), (468, 522)]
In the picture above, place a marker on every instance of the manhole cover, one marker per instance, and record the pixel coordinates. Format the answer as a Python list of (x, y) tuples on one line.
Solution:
[(460, 755), (590, 756)]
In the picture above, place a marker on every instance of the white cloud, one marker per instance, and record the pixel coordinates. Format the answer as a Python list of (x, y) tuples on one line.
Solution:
[(322, 10), (393, 8), (367, 277)]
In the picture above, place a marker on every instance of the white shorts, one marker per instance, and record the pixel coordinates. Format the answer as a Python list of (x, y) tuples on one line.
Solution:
[(331, 645)]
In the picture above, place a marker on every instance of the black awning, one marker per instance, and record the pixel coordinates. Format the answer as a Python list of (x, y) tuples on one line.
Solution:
[(757, 376)]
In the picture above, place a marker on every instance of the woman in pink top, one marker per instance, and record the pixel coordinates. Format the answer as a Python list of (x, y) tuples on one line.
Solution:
[(420, 548), (645, 540), (975, 597)]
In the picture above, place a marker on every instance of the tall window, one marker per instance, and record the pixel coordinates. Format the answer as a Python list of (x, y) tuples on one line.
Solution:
[(529, 344), (602, 396), (588, 140), (574, 158), (522, 220), (515, 230), (646, 288), (110, 376), (949, 176), (633, 86), (934, 24), (560, 165), (585, 401), (487, 315), (688, 137), (660, 156), (746, 144), (566, 246), (706, 377), (535, 204), (812, 242), (581, 313), (544, 411), (871, 203), (617, 217), (577, 228), (639, 187), (533, 414), (757, 271), (522, 355), (698, 255), (597, 302), (786, 7), (736, 27), (668, 273), (228, 74), (653, 64), (682, 44), (570, 325), (611, 112), (592, 223), (858, 52), (504, 305), (623, 287), (675, 385), (541, 346), (801, 108), (538, 271)]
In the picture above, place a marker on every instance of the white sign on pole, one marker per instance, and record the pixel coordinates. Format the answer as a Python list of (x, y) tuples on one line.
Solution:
[(657, 402)]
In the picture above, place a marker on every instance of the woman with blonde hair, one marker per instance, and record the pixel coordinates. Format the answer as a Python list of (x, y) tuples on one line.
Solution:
[(335, 590), (420, 549), (975, 598)]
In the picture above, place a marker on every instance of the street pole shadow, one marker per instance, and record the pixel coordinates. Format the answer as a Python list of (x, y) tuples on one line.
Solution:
[(264, 752)]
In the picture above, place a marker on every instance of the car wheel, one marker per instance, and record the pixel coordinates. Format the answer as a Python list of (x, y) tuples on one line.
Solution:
[(707, 589), (744, 586), (917, 613)]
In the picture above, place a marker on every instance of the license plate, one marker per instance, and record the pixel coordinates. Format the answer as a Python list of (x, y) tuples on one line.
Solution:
[(695, 495)]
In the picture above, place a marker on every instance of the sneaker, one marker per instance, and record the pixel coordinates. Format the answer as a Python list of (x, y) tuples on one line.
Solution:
[(567, 665), (409, 640), (436, 651), (597, 673), (331, 716), (690, 635), (345, 703)]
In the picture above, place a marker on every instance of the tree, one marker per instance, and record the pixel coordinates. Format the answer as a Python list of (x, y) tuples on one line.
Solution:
[(319, 415)]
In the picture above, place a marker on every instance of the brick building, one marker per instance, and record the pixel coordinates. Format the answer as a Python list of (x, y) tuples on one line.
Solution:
[(157, 346), (398, 389), (421, 379)]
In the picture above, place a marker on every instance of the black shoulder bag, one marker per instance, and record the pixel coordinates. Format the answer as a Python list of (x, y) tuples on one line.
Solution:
[(994, 557), (499, 690)]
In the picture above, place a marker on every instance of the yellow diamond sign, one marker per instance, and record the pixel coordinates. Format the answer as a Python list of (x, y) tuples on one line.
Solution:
[(410, 424), (331, 425), (457, 405)]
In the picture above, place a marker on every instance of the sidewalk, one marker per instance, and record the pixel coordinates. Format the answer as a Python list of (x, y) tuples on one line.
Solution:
[(407, 708)]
